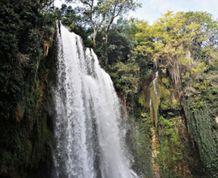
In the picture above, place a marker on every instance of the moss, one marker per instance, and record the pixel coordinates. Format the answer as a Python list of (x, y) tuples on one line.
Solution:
[(171, 156), (139, 140), (201, 127)]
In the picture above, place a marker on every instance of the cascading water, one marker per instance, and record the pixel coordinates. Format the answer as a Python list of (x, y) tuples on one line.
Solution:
[(89, 141)]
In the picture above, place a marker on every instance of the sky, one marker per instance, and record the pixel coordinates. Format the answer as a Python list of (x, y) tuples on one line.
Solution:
[(151, 10)]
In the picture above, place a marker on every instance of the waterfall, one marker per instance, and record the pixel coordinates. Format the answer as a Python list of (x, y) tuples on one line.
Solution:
[(155, 83), (89, 141)]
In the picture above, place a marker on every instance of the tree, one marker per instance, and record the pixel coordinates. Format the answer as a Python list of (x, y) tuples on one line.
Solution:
[(182, 43), (99, 15)]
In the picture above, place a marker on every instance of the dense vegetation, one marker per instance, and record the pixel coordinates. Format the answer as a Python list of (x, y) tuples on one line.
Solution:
[(171, 73), (25, 126), (165, 74)]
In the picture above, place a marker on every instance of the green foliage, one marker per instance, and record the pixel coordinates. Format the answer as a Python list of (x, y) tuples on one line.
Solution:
[(119, 47), (140, 142), (100, 15), (125, 78), (202, 126), (182, 47), (179, 43), (26, 139)]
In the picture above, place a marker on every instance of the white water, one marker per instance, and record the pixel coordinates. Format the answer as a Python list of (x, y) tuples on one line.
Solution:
[(89, 141), (155, 83)]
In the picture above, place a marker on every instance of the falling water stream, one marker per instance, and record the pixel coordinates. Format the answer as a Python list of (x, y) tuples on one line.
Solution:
[(87, 127)]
